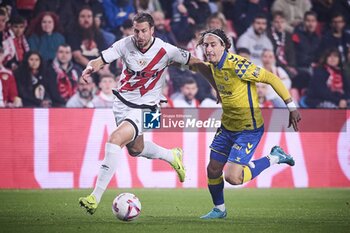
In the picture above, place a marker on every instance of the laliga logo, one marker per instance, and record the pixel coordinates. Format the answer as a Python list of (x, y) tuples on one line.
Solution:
[(151, 120)]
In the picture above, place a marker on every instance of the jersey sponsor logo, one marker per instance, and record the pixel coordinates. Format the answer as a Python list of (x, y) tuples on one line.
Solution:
[(151, 120), (183, 52), (145, 79), (256, 72), (236, 146)]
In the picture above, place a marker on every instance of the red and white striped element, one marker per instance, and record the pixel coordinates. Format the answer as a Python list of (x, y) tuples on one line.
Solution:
[(143, 76)]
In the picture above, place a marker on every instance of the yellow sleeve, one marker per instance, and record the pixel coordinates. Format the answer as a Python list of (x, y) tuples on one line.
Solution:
[(255, 73)]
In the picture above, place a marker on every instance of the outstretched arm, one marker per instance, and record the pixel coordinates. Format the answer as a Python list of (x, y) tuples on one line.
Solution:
[(198, 65), (281, 90), (93, 66)]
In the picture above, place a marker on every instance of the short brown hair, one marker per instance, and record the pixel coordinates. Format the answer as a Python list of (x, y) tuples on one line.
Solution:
[(143, 17)]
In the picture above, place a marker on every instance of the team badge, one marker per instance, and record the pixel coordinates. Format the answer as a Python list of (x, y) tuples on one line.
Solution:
[(141, 62)]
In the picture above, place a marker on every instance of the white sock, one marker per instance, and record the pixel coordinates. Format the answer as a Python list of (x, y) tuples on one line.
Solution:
[(107, 170), (221, 207), (153, 151), (273, 159)]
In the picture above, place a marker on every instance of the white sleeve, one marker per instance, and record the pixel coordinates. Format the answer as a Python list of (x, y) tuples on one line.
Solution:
[(177, 54), (114, 52)]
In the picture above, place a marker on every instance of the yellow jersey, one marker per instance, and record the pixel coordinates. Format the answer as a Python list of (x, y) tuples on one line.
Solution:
[(235, 79)]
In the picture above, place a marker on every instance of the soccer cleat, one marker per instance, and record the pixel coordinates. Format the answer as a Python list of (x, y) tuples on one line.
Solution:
[(283, 157), (177, 164), (214, 214), (89, 203)]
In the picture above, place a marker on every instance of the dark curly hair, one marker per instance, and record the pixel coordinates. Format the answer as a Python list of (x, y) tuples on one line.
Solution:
[(218, 32)]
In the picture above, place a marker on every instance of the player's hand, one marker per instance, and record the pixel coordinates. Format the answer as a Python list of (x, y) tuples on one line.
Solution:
[(294, 118), (87, 72)]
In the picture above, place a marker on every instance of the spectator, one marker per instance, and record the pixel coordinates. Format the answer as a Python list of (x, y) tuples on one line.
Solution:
[(16, 44), (198, 10), (63, 9), (293, 10), (338, 37), (160, 28), (62, 76), (192, 47), (108, 37), (44, 35), (306, 43), (342, 7), (347, 73), (126, 28), (182, 25), (255, 39), (243, 52), (3, 21), (269, 63), (245, 12), (218, 21), (261, 89), (283, 46), (9, 91), (82, 98), (85, 39), (323, 9), (166, 101), (31, 82), (186, 98), (116, 12), (105, 98), (148, 6), (327, 85)]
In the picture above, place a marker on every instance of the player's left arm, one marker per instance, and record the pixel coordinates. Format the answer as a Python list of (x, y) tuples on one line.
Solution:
[(258, 74)]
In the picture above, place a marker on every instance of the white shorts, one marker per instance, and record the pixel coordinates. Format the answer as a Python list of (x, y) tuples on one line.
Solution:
[(123, 112)]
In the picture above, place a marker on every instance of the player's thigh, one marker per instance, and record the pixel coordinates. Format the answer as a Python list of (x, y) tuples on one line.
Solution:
[(245, 145), (221, 145), (136, 146), (124, 134)]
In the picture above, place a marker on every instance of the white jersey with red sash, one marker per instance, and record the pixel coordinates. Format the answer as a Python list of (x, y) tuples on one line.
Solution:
[(142, 77)]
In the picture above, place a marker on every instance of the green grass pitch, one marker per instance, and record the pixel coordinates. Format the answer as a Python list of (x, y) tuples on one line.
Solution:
[(178, 210)]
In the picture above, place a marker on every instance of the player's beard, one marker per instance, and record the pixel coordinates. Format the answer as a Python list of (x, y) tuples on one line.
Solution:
[(144, 45)]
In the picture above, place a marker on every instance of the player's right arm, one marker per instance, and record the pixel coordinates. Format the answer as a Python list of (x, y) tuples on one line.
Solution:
[(93, 66), (258, 74), (107, 56)]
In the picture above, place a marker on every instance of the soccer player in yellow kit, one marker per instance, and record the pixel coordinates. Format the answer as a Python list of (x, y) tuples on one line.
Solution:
[(242, 125)]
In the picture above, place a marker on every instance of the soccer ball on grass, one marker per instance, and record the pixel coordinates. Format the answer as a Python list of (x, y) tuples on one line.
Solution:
[(126, 207)]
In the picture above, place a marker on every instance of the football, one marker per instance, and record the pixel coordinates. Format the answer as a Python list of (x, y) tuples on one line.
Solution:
[(126, 207)]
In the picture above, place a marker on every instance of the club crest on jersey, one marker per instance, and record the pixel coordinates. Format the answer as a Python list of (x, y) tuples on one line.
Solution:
[(141, 62), (183, 52)]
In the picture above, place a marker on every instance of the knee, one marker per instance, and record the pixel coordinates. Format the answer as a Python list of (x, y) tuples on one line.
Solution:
[(115, 138), (213, 172), (233, 180)]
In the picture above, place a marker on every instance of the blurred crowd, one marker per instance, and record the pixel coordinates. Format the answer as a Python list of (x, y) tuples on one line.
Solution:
[(45, 45)]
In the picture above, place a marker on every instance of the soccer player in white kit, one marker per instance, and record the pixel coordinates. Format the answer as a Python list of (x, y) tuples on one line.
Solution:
[(145, 58)]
